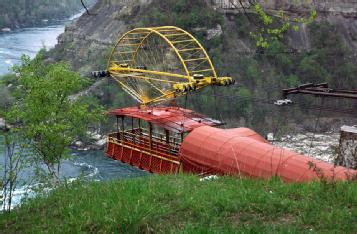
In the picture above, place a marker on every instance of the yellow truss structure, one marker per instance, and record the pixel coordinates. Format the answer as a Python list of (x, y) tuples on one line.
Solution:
[(161, 63)]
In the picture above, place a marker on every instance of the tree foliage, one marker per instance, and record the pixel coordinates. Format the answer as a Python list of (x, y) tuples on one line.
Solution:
[(273, 28), (48, 117), (13, 162), (183, 13), (283, 58)]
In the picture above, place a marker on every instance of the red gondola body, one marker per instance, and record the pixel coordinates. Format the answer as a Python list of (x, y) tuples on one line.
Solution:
[(169, 140)]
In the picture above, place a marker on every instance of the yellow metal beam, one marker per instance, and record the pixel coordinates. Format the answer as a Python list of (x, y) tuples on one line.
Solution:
[(171, 35), (196, 59), (121, 61), (198, 71), (125, 45), (204, 51), (175, 34), (133, 38), (192, 49), (125, 52), (127, 70), (142, 77), (140, 33), (177, 42)]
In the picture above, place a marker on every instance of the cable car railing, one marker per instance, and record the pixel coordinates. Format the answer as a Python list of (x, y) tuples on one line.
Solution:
[(139, 137)]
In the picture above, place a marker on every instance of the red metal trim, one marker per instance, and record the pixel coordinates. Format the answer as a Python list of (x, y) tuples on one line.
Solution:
[(161, 163), (174, 119)]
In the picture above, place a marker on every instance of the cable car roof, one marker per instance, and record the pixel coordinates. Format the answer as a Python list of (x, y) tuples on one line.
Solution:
[(174, 119)]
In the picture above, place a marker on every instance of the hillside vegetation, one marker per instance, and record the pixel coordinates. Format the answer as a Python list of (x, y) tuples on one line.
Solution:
[(318, 52), (184, 204), (261, 73)]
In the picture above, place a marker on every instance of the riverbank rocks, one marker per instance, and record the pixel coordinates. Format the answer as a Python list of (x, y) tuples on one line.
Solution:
[(100, 143), (94, 141), (319, 146), (2, 124), (78, 144)]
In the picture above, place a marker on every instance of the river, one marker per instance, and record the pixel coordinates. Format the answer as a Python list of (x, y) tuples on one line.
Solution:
[(28, 41), (92, 165)]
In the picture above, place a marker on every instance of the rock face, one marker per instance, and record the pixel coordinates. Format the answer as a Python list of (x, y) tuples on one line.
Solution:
[(342, 14), (214, 32), (88, 41), (346, 8), (347, 156)]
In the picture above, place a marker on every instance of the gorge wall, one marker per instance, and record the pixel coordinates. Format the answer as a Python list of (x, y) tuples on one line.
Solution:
[(88, 40), (324, 51)]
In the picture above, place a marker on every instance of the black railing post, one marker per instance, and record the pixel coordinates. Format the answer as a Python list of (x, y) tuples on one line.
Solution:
[(118, 132), (132, 129), (167, 133), (122, 127), (150, 135)]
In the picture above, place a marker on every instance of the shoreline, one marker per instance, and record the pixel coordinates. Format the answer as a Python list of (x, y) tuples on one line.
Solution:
[(43, 23)]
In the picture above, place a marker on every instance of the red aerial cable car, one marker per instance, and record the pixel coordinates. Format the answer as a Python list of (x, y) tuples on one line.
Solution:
[(151, 138), (158, 64)]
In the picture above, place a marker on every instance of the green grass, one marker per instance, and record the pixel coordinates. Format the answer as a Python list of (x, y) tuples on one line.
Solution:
[(183, 204)]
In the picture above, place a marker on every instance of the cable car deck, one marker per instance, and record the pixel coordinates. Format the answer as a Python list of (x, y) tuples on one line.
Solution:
[(152, 137)]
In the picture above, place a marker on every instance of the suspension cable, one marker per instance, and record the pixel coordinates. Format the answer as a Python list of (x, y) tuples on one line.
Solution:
[(85, 7)]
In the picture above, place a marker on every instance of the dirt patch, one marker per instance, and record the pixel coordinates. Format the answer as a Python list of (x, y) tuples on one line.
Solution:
[(248, 218)]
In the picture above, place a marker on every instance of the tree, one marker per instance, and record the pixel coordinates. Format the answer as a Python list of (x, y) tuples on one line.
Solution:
[(270, 27), (49, 120), (13, 163)]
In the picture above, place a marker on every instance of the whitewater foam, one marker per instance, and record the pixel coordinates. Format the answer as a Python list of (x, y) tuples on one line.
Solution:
[(94, 170), (29, 191), (8, 61)]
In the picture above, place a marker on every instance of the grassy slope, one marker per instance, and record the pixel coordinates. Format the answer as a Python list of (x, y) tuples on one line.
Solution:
[(184, 204)]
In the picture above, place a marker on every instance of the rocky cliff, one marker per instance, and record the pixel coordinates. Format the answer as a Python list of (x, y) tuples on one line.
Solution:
[(342, 14), (324, 51), (345, 8), (88, 41)]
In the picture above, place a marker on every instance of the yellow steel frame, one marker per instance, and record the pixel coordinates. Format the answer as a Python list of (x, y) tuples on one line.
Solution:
[(178, 40)]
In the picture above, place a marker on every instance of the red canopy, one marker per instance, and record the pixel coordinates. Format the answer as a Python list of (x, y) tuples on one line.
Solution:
[(174, 119)]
